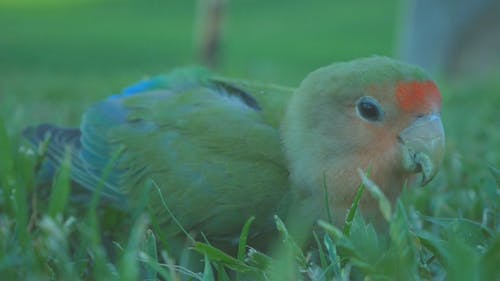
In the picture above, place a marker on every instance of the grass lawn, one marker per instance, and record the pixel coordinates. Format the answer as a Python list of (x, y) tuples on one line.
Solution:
[(58, 58)]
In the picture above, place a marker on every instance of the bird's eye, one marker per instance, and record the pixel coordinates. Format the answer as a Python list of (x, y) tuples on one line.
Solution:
[(369, 109)]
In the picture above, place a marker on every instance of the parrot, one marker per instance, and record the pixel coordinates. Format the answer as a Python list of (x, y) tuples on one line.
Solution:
[(208, 152)]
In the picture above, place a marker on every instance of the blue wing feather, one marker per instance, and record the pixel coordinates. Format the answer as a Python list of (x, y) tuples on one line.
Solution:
[(177, 80)]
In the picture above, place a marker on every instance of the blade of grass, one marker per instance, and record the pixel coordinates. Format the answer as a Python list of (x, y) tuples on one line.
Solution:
[(383, 202), (352, 211), (174, 218), (404, 246), (217, 255), (290, 242), (129, 266), (149, 248), (57, 243), (322, 256), (258, 260), (327, 201), (221, 273), (242, 245), (208, 273), (243, 238), (333, 256), (92, 228), (61, 186), (7, 174), (489, 261)]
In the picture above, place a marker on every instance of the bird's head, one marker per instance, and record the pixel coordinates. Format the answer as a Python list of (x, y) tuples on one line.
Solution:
[(374, 113)]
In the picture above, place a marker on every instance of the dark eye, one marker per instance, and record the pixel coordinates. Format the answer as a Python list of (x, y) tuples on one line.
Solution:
[(369, 109)]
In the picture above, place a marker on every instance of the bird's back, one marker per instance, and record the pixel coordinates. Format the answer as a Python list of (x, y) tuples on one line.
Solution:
[(211, 146)]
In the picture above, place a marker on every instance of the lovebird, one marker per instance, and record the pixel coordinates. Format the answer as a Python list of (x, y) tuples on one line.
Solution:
[(209, 152)]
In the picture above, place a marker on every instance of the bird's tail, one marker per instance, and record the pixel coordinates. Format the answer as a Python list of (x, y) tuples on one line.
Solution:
[(53, 143)]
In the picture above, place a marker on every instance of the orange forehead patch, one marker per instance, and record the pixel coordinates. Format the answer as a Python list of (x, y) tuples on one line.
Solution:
[(418, 96)]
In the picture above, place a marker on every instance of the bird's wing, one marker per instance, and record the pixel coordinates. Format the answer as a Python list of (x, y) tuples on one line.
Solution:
[(211, 145)]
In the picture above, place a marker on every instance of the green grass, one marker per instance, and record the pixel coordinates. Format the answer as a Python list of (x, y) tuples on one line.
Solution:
[(57, 59)]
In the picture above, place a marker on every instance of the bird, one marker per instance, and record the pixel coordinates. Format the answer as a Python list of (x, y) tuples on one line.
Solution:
[(209, 152)]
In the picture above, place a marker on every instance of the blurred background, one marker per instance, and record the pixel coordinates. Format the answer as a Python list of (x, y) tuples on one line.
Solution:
[(59, 56)]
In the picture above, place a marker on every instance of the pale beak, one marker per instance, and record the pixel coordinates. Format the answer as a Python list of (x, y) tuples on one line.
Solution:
[(423, 146)]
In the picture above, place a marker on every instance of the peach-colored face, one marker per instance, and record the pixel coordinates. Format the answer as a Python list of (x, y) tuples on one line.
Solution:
[(418, 97), (402, 104)]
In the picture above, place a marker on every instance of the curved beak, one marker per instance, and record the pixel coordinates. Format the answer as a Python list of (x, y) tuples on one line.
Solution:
[(423, 146)]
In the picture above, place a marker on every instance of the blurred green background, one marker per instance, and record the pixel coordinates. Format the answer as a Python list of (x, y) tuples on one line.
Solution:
[(64, 55), (58, 57)]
